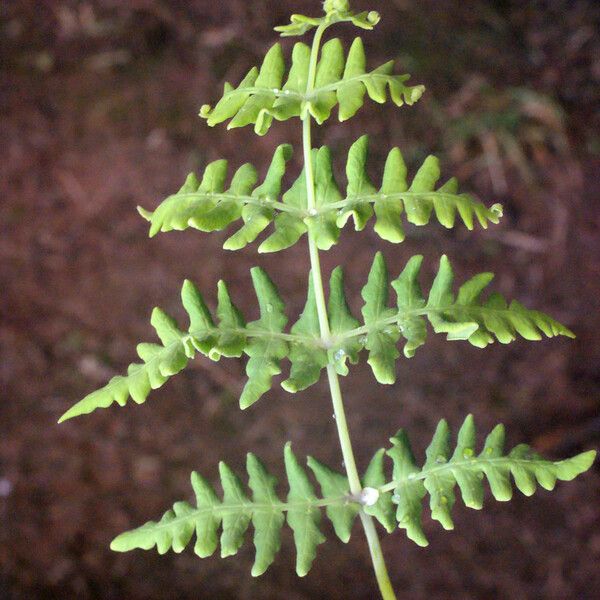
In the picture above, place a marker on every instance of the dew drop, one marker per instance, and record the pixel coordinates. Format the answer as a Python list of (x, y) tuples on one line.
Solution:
[(269, 308), (312, 212), (333, 417), (275, 91), (369, 496), (339, 355)]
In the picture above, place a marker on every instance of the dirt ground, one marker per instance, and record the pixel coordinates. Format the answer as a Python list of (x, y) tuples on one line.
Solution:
[(99, 102)]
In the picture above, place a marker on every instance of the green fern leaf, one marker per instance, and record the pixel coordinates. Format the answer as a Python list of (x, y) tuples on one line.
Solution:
[(335, 485), (303, 516), (257, 216), (383, 510), (263, 509), (466, 317), (262, 340), (268, 521), (344, 349), (398, 502), (208, 206), (307, 361), (159, 363), (443, 471), (263, 96), (327, 194), (290, 221), (410, 300), (381, 338), (419, 200), (410, 493), (266, 351), (359, 186)]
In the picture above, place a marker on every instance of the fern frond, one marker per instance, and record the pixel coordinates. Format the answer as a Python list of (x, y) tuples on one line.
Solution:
[(262, 340), (159, 363), (464, 317), (307, 361), (263, 95), (208, 206), (265, 350), (262, 508), (395, 503), (444, 470)]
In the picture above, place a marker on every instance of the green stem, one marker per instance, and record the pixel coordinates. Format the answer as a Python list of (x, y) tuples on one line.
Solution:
[(383, 580)]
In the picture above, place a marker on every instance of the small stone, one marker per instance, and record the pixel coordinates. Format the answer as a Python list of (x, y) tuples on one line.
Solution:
[(6, 487)]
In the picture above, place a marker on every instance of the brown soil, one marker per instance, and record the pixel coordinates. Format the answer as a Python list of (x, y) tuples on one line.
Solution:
[(99, 102)]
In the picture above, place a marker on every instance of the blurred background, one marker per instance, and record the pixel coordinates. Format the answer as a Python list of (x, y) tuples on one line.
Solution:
[(98, 114)]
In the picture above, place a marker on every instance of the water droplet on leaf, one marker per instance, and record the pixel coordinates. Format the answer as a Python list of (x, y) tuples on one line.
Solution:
[(339, 355), (369, 496)]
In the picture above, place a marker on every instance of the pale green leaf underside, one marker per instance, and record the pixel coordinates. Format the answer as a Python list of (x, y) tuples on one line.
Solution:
[(399, 504), (210, 204), (273, 92), (464, 316)]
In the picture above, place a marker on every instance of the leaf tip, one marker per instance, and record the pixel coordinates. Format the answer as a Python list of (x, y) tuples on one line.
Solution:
[(74, 411), (119, 543), (205, 111), (289, 386), (582, 462), (146, 214)]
